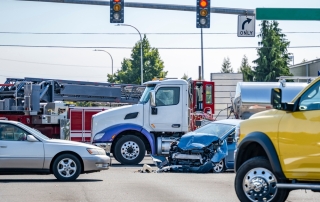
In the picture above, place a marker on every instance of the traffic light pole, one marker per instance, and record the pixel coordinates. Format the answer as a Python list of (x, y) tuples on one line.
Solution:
[(221, 10), (202, 55), (141, 47)]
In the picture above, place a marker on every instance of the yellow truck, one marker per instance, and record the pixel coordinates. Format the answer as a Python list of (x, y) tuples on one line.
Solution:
[(278, 150)]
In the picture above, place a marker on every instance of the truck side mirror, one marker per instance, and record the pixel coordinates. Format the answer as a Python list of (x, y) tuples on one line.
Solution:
[(276, 101), (152, 98), (276, 98)]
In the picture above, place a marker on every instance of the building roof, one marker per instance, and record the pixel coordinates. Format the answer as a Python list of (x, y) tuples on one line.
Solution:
[(305, 63)]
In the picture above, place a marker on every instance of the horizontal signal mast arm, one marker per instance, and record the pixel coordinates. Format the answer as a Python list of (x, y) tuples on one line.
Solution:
[(233, 11)]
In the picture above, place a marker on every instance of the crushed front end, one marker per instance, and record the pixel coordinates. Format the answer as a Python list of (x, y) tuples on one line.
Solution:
[(193, 153)]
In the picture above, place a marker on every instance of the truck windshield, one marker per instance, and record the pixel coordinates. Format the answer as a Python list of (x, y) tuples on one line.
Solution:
[(145, 96)]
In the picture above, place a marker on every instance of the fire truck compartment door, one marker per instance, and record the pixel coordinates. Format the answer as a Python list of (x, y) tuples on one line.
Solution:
[(168, 116)]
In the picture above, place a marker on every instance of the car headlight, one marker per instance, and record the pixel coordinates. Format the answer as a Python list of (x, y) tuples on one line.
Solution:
[(96, 151), (98, 136)]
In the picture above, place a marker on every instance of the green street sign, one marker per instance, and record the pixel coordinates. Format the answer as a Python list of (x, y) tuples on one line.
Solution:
[(288, 13)]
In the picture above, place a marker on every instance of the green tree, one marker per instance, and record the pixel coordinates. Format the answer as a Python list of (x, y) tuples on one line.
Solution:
[(185, 77), (246, 69), (226, 66), (273, 57), (83, 104), (130, 72)]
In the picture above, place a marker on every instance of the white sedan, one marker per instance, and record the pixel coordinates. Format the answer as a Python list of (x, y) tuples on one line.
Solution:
[(24, 150)]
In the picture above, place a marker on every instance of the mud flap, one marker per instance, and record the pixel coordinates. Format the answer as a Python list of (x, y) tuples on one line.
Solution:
[(221, 153)]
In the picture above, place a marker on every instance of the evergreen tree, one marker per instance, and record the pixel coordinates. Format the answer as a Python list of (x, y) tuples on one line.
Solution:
[(130, 72), (273, 57), (185, 77), (226, 66), (246, 70)]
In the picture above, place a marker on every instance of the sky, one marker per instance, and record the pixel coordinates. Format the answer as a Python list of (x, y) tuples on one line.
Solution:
[(88, 65)]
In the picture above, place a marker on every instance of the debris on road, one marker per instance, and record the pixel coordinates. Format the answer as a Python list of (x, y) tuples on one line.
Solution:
[(146, 169)]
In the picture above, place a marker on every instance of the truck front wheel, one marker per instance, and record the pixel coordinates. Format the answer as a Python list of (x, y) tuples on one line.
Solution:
[(255, 181), (129, 150)]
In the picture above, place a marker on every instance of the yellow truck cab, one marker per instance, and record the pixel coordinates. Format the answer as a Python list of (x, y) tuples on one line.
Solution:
[(279, 150)]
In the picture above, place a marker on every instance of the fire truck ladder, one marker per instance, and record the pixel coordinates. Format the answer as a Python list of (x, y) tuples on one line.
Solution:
[(9, 83), (38, 90)]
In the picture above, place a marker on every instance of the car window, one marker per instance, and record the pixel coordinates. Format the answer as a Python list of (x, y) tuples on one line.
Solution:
[(9, 132), (218, 129), (166, 96), (34, 131), (310, 100), (231, 137)]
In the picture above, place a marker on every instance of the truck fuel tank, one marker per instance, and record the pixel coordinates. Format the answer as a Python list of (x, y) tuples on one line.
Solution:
[(163, 145), (253, 97)]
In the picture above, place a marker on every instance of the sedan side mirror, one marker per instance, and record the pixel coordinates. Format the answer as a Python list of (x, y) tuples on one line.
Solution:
[(31, 138), (152, 98), (230, 140)]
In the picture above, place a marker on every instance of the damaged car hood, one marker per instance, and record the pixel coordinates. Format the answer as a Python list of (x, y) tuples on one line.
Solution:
[(196, 140)]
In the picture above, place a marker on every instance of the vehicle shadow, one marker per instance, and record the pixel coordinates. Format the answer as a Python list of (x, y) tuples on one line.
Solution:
[(131, 166), (46, 180)]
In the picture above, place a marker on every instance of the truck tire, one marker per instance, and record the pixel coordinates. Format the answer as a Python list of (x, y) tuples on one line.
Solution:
[(114, 156), (66, 167), (129, 150), (255, 181)]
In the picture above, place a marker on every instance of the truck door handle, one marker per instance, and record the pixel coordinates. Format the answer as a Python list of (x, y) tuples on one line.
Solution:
[(175, 126), (3, 146), (154, 111)]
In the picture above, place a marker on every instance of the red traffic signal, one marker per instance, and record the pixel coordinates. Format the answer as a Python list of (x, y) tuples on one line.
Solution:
[(203, 13), (116, 1), (203, 3)]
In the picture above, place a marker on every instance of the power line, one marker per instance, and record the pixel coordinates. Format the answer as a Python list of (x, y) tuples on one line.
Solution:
[(26, 73), (147, 33), (160, 48), (59, 75), (52, 63)]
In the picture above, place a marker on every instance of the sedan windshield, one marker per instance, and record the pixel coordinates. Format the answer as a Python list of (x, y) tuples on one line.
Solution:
[(35, 131), (145, 96), (217, 129)]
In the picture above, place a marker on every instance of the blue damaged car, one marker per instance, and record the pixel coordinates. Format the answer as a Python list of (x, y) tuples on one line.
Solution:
[(207, 149)]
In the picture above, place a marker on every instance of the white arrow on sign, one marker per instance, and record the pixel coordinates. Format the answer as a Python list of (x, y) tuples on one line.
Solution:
[(246, 26)]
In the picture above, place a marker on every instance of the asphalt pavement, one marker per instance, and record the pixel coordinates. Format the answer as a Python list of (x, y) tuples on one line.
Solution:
[(123, 183)]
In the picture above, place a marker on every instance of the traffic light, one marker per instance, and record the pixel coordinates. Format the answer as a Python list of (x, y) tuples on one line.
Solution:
[(116, 11), (203, 13)]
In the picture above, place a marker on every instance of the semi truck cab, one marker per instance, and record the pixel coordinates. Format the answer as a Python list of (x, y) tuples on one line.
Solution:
[(165, 112)]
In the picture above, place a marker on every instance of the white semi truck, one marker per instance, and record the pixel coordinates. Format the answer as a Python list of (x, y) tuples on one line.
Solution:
[(167, 109)]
